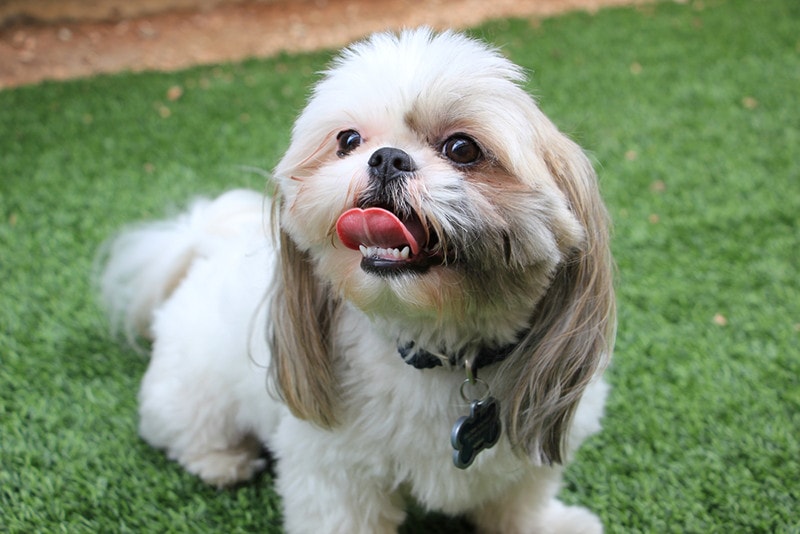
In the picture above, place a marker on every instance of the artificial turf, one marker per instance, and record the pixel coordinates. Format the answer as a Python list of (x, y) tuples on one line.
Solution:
[(691, 111)]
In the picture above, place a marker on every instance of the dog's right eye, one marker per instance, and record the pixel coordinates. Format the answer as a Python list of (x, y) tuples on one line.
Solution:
[(349, 140)]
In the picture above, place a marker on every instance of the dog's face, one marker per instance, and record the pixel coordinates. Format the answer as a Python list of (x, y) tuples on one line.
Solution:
[(419, 184)]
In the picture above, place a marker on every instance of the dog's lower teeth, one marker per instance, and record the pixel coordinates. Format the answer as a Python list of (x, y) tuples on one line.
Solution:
[(385, 253)]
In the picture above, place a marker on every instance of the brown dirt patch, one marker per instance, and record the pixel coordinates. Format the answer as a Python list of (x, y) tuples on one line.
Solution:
[(32, 52)]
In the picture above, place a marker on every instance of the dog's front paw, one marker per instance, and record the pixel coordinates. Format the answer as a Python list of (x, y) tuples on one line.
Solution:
[(513, 516), (562, 519)]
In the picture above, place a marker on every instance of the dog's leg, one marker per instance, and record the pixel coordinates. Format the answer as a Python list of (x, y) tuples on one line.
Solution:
[(330, 485), (531, 506), (315, 504), (194, 415)]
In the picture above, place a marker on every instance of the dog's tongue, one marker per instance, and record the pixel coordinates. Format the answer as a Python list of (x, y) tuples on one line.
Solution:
[(377, 227)]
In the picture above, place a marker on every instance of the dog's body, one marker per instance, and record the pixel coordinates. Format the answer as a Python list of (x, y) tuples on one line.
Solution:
[(367, 350)]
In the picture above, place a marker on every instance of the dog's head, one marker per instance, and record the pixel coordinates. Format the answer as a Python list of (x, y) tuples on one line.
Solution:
[(424, 186)]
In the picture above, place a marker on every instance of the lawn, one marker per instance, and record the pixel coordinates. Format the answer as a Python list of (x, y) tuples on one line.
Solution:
[(691, 112)]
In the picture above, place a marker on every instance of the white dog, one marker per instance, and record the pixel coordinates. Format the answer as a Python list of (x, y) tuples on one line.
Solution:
[(432, 316)]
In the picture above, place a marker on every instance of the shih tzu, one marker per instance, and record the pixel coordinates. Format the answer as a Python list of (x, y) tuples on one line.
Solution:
[(428, 319)]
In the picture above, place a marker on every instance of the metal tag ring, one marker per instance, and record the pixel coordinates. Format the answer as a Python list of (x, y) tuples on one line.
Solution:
[(478, 384)]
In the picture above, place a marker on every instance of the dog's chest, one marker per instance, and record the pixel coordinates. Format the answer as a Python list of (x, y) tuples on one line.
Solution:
[(402, 418)]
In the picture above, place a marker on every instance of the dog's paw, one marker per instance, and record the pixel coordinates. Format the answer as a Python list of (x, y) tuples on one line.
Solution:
[(562, 519), (553, 517), (224, 468)]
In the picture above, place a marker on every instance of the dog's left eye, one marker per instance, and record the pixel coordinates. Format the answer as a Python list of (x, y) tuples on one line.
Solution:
[(349, 140), (461, 149)]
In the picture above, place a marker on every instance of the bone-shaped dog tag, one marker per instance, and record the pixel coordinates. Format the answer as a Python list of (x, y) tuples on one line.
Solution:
[(476, 432)]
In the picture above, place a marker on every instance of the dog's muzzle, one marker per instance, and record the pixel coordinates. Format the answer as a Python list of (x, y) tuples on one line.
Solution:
[(391, 238)]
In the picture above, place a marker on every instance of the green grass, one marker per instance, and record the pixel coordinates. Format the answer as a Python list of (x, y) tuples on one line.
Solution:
[(692, 113)]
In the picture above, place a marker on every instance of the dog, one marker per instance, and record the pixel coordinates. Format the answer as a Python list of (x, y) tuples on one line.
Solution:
[(422, 311)]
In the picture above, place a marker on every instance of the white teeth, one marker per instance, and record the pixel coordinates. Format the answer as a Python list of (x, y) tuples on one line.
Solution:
[(386, 253)]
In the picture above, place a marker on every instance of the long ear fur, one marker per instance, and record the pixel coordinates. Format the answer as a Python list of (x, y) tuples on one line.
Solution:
[(573, 330), (302, 317)]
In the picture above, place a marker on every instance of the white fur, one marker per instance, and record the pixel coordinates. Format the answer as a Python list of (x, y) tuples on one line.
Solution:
[(198, 285)]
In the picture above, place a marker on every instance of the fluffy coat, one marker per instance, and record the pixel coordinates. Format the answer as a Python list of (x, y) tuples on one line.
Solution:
[(509, 243)]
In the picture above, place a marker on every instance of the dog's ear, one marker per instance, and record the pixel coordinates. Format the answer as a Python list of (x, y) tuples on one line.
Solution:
[(572, 334), (302, 316)]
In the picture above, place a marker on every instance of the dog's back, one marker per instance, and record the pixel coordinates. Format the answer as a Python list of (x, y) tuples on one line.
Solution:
[(144, 264)]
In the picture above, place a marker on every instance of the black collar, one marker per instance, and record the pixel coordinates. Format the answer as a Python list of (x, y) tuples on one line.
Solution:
[(422, 359)]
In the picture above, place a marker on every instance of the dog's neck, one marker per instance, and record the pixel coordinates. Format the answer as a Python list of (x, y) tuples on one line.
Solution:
[(477, 357)]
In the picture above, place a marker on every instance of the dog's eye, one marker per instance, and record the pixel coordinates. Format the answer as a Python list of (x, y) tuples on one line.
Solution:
[(461, 149), (349, 140)]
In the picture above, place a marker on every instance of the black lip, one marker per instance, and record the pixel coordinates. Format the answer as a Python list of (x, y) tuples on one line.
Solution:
[(384, 267)]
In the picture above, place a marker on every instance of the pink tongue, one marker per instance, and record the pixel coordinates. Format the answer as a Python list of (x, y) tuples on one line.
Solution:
[(376, 227)]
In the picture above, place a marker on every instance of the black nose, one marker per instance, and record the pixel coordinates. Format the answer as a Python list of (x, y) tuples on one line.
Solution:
[(387, 164)]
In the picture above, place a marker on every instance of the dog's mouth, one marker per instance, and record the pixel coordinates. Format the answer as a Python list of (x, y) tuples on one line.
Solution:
[(388, 243)]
